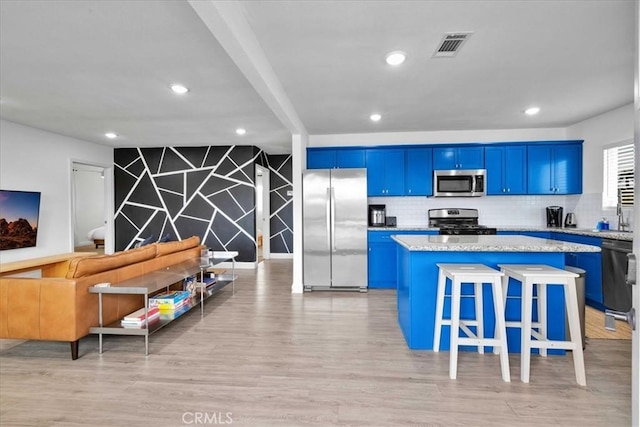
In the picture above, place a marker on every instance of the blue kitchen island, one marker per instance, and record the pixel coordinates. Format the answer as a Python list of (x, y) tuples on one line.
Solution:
[(417, 256)]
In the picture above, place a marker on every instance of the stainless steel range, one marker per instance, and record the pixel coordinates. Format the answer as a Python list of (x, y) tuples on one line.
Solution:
[(454, 221)]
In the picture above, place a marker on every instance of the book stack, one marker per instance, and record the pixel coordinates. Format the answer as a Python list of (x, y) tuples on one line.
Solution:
[(170, 301), (137, 318)]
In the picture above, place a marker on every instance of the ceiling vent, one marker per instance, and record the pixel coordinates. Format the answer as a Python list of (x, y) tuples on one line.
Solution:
[(451, 44)]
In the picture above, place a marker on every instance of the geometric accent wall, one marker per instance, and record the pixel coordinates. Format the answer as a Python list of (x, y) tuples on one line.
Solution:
[(184, 191), (206, 191), (281, 217)]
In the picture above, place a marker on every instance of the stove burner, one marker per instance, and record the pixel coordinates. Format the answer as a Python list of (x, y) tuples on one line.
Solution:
[(458, 222)]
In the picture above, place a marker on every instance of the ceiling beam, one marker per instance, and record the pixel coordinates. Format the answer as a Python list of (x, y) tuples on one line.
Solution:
[(228, 23)]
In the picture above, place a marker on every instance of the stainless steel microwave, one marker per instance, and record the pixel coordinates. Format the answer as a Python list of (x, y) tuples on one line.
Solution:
[(459, 183)]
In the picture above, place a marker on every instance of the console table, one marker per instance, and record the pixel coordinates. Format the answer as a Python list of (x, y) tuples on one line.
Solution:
[(153, 282)]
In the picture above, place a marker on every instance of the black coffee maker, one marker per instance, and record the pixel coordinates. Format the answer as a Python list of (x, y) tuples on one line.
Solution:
[(554, 216)]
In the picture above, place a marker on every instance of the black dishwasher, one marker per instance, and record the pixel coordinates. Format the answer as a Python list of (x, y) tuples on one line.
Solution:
[(616, 292)]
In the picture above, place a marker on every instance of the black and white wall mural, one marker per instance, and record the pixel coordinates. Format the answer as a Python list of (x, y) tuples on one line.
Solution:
[(281, 201), (177, 192)]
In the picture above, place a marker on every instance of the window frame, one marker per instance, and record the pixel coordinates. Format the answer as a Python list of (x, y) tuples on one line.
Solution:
[(610, 183)]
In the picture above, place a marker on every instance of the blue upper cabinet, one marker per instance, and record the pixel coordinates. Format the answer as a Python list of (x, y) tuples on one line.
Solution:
[(351, 158), (554, 169), (418, 172), (385, 172), (506, 170), (458, 158), (323, 158)]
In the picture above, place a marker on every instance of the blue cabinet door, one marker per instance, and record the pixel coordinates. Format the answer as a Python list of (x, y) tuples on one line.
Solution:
[(418, 172), (590, 262), (554, 169), (494, 158), (444, 158), (394, 172), (471, 158), (567, 169), (506, 170), (515, 167), (321, 159), (539, 170), (375, 172), (351, 158), (382, 265), (458, 158), (385, 172)]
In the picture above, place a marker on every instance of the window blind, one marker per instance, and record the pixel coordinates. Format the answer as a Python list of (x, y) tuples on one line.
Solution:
[(619, 175)]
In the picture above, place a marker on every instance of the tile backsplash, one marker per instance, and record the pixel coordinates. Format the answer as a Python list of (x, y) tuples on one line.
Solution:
[(502, 210)]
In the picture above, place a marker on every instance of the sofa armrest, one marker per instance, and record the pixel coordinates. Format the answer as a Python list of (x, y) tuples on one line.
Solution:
[(32, 308)]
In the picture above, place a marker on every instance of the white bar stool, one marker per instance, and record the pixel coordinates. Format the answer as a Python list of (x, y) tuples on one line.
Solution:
[(476, 274), (543, 275)]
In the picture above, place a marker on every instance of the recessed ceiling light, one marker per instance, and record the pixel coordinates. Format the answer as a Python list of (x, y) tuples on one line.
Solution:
[(111, 135), (532, 111), (375, 117), (179, 89), (241, 131), (396, 57)]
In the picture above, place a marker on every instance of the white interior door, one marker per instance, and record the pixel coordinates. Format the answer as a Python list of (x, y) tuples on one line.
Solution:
[(90, 203), (263, 210)]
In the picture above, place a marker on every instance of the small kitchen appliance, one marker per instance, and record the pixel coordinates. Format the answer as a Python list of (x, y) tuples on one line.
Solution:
[(454, 221), (377, 215), (554, 216), (570, 220)]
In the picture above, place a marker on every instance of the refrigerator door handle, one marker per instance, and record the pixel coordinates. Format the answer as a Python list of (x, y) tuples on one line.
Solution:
[(328, 216), (333, 220)]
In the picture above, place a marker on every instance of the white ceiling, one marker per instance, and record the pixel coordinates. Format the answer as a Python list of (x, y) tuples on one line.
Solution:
[(82, 68)]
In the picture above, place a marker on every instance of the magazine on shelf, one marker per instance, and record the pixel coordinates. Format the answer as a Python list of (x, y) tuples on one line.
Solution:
[(140, 323), (138, 315), (169, 299), (172, 314), (172, 307)]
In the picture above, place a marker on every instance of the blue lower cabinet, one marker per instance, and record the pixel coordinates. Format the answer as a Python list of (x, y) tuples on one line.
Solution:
[(382, 263), (590, 262), (541, 234)]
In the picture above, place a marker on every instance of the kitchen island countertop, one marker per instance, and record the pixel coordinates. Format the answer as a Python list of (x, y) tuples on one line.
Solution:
[(606, 234), (489, 244)]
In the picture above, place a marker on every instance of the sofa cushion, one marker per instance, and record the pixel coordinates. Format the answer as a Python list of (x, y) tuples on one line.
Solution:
[(81, 267), (171, 247)]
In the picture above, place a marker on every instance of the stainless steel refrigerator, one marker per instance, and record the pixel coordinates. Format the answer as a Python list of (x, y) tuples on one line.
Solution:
[(335, 229)]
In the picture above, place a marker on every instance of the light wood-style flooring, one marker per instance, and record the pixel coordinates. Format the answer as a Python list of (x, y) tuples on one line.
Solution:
[(264, 357)]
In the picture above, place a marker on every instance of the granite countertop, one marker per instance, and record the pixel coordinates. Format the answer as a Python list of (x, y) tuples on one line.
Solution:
[(489, 244), (608, 234)]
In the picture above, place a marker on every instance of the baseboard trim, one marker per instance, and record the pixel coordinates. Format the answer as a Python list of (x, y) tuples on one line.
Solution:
[(280, 256)]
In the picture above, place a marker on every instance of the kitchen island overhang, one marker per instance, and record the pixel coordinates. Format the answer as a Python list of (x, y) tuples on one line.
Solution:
[(417, 256)]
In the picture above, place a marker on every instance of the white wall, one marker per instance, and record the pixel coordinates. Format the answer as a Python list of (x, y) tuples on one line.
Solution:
[(399, 138), (35, 160), (599, 132)]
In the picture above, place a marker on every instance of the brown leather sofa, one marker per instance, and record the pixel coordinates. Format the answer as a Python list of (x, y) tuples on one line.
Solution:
[(59, 307)]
